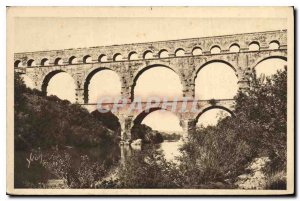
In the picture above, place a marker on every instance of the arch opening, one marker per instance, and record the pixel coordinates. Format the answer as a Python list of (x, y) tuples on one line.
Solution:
[(101, 83), (148, 54), (102, 58), (87, 59), (216, 80), (234, 48), (117, 57), (58, 61), (215, 50), (269, 66), (45, 62), (254, 46), (274, 45), (163, 54), (53, 82), (196, 51), (159, 119), (167, 83), (180, 52), (31, 63), (212, 115), (17, 64), (109, 120), (73, 60), (132, 56)]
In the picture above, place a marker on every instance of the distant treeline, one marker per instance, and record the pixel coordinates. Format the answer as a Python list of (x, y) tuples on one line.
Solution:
[(171, 137)]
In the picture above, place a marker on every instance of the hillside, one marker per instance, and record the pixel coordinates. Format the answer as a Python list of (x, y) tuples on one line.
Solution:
[(45, 121)]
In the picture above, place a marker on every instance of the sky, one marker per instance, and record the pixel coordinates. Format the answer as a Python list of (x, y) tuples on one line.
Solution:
[(214, 81), (35, 34)]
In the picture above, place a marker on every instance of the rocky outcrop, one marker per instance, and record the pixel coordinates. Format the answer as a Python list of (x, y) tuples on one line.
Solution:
[(256, 178)]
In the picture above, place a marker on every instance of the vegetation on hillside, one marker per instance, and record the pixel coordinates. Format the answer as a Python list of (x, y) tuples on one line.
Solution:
[(46, 130)]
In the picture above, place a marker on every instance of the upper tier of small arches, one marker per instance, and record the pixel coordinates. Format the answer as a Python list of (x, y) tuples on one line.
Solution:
[(127, 53)]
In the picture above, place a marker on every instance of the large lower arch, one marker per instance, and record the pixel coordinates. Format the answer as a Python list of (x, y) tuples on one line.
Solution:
[(140, 117), (91, 75), (211, 108), (63, 94), (216, 79), (155, 80), (109, 120), (162, 119)]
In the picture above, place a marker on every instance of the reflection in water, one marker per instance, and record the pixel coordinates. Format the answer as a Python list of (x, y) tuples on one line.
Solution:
[(171, 149)]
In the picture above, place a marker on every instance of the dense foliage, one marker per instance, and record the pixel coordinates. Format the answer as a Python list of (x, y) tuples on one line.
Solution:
[(55, 139), (45, 121)]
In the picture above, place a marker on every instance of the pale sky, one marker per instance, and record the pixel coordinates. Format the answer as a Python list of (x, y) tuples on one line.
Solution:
[(213, 81), (34, 34)]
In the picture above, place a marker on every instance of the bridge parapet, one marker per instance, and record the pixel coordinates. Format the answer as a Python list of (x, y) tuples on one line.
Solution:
[(187, 47)]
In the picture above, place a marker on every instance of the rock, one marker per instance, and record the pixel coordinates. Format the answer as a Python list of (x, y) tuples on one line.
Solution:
[(256, 179)]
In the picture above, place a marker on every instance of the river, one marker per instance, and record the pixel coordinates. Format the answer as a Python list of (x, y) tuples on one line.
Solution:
[(171, 149)]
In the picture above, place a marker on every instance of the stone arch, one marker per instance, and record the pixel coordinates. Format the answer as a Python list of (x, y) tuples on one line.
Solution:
[(44, 62), (87, 59), (17, 63), (234, 47), (58, 61), (163, 53), (141, 71), (72, 60), (254, 46), (172, 117), (216, 49), (213, 107), (88, 78), (102, 58), (30, 63), (269, 66), (179, 52), (214, 61), (217, 79), (48, 77), (117, 57), (196, 51), (274, 44), (148, 54), (109, 119), (132, 56), (141, 116)]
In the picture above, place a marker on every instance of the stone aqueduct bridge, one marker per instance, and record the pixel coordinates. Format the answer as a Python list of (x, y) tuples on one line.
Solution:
[(185, 57)]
